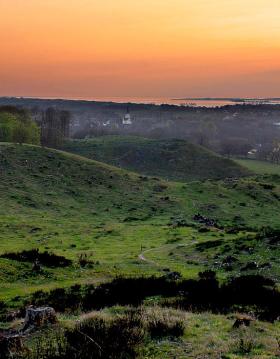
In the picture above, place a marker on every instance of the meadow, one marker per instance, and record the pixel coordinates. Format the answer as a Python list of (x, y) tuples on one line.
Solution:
[(260, 167)]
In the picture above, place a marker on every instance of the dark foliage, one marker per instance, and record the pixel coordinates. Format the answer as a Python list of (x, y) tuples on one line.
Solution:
[(247, 293), (208, 244), (45, 258), (251, 292), (122, 291), (270, 234), (205, 220), (126, 291)]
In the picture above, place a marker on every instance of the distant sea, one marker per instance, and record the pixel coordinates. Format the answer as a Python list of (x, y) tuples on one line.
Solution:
[(195, 102), (164, 101)]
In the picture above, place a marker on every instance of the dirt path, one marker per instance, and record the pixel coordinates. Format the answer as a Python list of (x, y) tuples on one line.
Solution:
[(142, 257)]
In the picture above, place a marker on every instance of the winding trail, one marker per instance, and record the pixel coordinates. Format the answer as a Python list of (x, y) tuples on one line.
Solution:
[(142, 257)]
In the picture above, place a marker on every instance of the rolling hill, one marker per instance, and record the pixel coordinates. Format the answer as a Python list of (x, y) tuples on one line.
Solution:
[(78, 208), (174, 160)]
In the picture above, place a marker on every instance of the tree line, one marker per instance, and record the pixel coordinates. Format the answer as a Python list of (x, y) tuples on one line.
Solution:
[(50, 128)]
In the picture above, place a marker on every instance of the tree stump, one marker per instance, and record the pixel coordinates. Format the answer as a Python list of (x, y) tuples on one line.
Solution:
[(242, 320), (38, 317)]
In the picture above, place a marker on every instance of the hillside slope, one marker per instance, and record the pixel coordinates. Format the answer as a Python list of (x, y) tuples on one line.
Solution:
[(82, 209), (175, 160)]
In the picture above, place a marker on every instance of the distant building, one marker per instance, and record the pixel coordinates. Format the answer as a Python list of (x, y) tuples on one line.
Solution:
[(106, 123), (127, 119), (252, 153)]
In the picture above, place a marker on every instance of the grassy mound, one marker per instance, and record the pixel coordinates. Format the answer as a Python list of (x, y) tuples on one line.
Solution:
[(175, 160)]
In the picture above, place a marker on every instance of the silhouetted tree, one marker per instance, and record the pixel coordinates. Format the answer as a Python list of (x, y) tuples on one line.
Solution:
[(55, 127)]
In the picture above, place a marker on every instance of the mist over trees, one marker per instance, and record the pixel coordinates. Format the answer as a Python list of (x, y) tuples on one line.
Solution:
[(232, 131)]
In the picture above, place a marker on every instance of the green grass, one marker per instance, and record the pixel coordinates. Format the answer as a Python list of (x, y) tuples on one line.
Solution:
[(70, 205), (212, 336), (260, 167), (175, 160)]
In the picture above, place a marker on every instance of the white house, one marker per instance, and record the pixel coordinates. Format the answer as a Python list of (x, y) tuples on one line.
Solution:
[(127, 119)]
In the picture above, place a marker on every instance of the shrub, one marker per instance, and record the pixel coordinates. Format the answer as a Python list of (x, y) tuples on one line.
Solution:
[(60, 299), (45, 258), (50, 344), (98, 337), (84, 260), (163, 322), (244, 343)]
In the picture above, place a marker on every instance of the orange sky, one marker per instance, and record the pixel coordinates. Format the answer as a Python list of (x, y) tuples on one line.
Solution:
[(174, 48)]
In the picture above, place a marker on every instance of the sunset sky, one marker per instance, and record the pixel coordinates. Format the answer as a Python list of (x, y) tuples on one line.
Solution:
[(170, 48)]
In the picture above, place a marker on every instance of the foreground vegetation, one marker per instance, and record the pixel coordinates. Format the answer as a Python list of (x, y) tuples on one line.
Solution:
[(154, 332), (151, 318)]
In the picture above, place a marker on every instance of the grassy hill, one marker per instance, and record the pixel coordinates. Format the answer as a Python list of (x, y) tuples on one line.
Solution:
[(75, 207), (175, 160), (89, 222)]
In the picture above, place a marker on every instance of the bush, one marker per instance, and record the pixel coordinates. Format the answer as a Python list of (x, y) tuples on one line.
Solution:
[(60, 299), (163, 322), (84, 260), (102, 338), (50, 344), (45, 258)]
